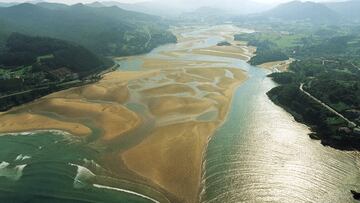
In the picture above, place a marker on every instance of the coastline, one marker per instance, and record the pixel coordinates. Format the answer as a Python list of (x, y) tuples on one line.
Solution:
[(96, 105), (141, 164)]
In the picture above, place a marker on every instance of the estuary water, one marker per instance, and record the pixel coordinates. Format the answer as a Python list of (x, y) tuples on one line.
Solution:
[(261, 154)]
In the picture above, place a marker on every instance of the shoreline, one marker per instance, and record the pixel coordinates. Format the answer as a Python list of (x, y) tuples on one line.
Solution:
[(185, 140), (138, 154), (201, 190)]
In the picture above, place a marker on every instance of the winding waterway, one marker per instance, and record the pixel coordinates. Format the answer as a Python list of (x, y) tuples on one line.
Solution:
[(259, 154)]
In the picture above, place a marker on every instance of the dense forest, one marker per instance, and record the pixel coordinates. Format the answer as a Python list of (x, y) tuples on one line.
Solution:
[(36, 66), (328, 67), (332, 85), (46, 47), (22, 50), (108, 31)]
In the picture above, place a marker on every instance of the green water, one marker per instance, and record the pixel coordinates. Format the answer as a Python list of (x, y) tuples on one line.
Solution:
[(261, 154), (48, 160)]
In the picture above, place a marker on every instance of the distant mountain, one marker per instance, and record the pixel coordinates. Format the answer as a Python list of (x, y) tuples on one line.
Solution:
[(347, 9), (158, 8), (104, 30), (4, 4), (96, 4), (207, 14), (303, 11), (242, 7), (175, 9), (55, 6)]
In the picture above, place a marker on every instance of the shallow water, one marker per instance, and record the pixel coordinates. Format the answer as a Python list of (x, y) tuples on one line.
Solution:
[(261, 154)]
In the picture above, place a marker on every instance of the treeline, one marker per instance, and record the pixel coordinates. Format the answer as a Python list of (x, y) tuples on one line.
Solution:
[(325, 125), (35, 66), (333, 84), (266, 51), (107, 31), (264, 56), (22, 50)]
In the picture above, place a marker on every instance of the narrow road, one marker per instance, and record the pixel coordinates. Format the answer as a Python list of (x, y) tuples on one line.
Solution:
[(23, 92), (325, 105), (61, 84)]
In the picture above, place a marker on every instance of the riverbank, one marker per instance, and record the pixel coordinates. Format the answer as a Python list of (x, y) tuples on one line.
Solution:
[(151, 126)]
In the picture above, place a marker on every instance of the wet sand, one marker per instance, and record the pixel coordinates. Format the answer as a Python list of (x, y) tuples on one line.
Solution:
[(113, 119), (173, 91), (171, 156), (233, 51), (26, 122), (76, 110)]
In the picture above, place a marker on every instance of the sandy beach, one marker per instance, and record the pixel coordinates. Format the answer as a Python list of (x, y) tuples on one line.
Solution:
[(168, 96), (26, 122)]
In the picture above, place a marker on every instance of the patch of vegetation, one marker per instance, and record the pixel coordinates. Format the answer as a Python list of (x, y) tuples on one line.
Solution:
[(269, 46), (223, 43), (333, 84), (31, 67), (264, 56), (327, 63), (107, 31)]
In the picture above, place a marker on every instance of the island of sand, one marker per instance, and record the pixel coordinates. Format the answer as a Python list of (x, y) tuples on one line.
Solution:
[(169, 109)]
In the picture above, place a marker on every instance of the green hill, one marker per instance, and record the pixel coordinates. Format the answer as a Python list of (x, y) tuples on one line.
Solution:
[(347, 9), (303, 11), (23, 51), (104, 30), (31, 67)]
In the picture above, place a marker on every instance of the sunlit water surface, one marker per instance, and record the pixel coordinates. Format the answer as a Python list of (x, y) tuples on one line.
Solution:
[(261, 154)]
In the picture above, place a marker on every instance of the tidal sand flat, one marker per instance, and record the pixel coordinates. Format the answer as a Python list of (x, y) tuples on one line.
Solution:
[(277, 65), (25, 122), (113, 119), (171, 155), (150, 127), (233, 51)]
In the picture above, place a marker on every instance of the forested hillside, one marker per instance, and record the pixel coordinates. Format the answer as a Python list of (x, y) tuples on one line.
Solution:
[(31, 67), (327, 66), (104, 30)]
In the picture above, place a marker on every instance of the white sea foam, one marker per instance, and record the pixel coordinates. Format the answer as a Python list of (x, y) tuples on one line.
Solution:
[(11, 173), (27, 133), (125, 191), (21, 157), (83, 174), (4, 164), (91, 163)]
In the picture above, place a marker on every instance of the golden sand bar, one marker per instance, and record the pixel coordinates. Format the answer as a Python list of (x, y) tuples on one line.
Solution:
[(29, 122), (113, 119), (170, 89), (75, 104), (233, 51), (170, 156)]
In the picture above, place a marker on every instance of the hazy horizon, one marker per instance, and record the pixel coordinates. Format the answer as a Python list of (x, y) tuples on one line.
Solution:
[(202, 2)]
